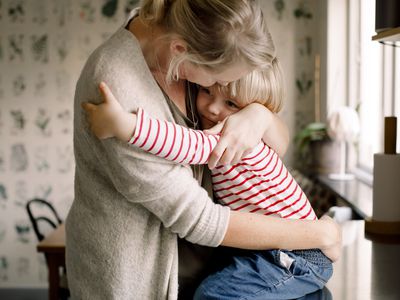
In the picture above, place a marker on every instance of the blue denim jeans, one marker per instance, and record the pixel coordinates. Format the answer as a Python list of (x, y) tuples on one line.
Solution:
[(273, 274)]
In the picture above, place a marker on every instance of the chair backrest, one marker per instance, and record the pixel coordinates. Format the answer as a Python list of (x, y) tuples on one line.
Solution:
[(35, 220)]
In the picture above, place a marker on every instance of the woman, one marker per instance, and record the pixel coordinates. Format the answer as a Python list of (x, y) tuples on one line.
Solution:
[(129, 206)]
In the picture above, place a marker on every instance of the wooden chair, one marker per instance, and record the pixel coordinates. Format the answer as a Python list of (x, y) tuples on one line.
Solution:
[(38, 219), (51, 219)]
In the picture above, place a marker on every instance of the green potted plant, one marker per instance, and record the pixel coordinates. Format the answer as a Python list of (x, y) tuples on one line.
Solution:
[(317, 153)]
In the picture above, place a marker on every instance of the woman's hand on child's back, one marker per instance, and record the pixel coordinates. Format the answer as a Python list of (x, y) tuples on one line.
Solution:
[(240, 133), (109, 119), (333, 234)]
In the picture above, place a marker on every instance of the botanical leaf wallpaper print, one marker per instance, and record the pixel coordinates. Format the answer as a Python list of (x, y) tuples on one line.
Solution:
[(23, 267), (3, 231), (305, 46), (43, 191), (3, 196), (42, 122), (62, 44), (87, 11), (65, 158), (16, 11), (19, 158), (302, 11), (63, 11), (41, 159), (23, 228), (2, 161), (279, 6), (64, 118), (19, 121), (109, 8), (39, 48), (4, 269), (40, 85), (15, 47), (38, 9), (21, 193), (304, 83), (19, 85), (3, 192)]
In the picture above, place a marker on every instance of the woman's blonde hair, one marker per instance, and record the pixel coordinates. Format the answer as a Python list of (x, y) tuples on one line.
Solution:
[(264, 86), (217, 33)]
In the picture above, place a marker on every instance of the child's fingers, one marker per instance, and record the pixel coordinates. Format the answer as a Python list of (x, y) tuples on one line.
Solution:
[(88, 107), (216, 154), (106, 92)]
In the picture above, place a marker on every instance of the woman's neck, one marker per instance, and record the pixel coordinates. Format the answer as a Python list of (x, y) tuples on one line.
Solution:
[(157, 55), (155, 49)]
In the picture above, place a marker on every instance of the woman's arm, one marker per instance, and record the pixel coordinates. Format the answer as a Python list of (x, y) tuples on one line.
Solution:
[(255, 231), (243, 130)]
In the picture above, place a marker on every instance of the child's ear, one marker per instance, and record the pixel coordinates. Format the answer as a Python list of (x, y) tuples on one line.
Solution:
[(178, 47)]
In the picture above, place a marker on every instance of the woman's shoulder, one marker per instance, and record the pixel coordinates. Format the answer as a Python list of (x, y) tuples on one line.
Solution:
[(121, 49), (120, 60)]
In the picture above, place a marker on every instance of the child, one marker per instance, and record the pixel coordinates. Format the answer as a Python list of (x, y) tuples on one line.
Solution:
[(260, 183)]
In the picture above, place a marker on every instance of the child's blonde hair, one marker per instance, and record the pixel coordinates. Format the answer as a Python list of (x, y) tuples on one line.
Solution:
[(264, 86), (218, 33)]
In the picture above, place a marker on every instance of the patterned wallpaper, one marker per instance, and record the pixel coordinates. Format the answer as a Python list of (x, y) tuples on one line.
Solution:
[(43, 46)]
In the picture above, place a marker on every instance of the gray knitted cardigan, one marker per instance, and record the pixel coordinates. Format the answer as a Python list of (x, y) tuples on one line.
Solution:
[(130, 206)]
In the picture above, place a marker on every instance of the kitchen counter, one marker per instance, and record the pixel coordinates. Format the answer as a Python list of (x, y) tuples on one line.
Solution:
[(368, 269)]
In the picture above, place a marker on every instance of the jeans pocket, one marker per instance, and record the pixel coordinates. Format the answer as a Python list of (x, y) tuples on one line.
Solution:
[(304, 270)]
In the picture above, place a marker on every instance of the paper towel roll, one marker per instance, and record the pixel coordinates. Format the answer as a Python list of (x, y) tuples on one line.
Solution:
[(386, 188)]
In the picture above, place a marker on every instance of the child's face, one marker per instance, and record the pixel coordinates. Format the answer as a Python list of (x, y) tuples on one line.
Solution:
[(214, 107)]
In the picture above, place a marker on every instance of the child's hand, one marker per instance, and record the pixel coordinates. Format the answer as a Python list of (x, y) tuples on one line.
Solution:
[(109, 119)]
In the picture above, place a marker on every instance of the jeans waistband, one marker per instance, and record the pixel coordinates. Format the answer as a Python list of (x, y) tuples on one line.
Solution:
[(314, 256)]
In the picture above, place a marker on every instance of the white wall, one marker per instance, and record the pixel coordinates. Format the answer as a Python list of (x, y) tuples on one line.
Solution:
[(296, 32)]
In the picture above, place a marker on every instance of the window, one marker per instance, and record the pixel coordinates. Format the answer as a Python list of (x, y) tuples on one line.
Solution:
[(370, 86), (369, 76)]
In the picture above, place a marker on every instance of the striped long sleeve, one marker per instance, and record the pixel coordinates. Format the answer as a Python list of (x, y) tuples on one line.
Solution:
[(171, 141), (260, 183)]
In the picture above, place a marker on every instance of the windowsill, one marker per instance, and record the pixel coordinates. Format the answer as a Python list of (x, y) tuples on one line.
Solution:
[(356, 193), (364, 176)]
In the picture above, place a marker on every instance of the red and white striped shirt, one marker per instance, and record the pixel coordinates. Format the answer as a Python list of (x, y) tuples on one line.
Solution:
[(260, 183)]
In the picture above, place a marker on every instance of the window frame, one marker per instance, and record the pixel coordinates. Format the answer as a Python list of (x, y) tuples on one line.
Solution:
[(343, 43)]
